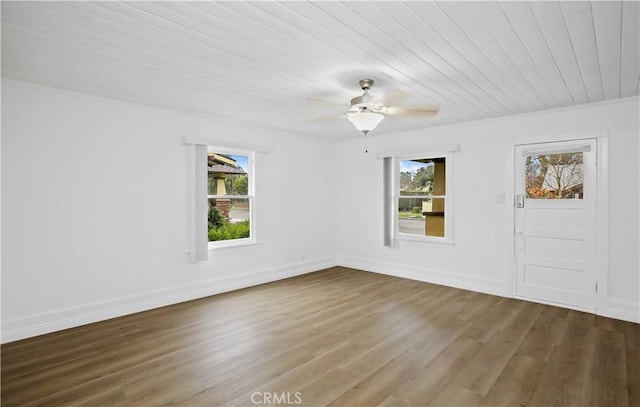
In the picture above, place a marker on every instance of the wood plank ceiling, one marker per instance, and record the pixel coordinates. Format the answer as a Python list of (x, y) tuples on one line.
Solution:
[(261, 62)]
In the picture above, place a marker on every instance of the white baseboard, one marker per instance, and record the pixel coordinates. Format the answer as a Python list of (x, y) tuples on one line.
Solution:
[(617, 309), (44, 323), (622, 309), (463, 281), (53, 321)]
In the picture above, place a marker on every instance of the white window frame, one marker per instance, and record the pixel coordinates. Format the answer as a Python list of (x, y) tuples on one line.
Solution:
[(251, 197), (448, 206)]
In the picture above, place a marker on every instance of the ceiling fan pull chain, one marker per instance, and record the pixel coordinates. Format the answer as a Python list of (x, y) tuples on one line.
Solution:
[(366, 150)]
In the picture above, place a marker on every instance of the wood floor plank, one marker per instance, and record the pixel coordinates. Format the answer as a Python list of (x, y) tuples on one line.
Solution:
[(166, 388), (305, 374), (481, 371), (562, 381), (607, 380), (454, 395), (339, 337), (488, 323), (544, 336), (112, 397), (375, 388), (425, 386), (515, 384), (632, 358)]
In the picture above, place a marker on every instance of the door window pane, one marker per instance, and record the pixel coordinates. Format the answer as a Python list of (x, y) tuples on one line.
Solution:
[(555, 176)]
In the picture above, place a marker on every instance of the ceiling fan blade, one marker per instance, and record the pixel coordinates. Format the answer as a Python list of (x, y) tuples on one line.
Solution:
[(395, 97), (317, 119), (326, 102), (430, 111)]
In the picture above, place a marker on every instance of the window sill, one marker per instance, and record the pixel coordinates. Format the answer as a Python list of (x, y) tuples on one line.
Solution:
[(229, 244), (427, 240)]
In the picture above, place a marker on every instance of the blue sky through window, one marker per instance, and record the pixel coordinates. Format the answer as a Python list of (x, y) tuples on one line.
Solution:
[(412, 166), (242, 160)]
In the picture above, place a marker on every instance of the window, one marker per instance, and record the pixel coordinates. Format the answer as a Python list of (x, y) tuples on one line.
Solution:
[(421, 207), (230, 197)]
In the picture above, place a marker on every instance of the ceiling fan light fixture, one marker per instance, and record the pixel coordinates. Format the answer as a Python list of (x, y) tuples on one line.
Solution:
[(366, 112), (365, 120)]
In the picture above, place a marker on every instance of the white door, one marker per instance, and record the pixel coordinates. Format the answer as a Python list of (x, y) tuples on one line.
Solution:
[(555, 222)]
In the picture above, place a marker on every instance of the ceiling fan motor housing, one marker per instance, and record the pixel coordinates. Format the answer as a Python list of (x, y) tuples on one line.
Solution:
[(364, 102)]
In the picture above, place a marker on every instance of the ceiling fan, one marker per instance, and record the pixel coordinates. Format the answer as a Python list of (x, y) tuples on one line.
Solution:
[(366, 113)]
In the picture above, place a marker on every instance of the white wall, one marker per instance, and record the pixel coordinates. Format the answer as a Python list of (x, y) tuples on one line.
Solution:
[(483, 168), (94, 206), (94, 209)]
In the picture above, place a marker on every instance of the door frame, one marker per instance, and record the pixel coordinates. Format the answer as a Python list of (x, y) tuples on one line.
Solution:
[(601, 138)]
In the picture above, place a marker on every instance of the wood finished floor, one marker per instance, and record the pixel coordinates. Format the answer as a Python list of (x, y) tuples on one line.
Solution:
[(338, 337)]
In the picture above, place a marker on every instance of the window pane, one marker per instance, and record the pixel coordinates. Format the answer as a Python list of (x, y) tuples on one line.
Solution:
[(228, 174), (422, 216), (434, 219), (410, 217), (411, 205), (416, 177), (229, 218), (554, 176)]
